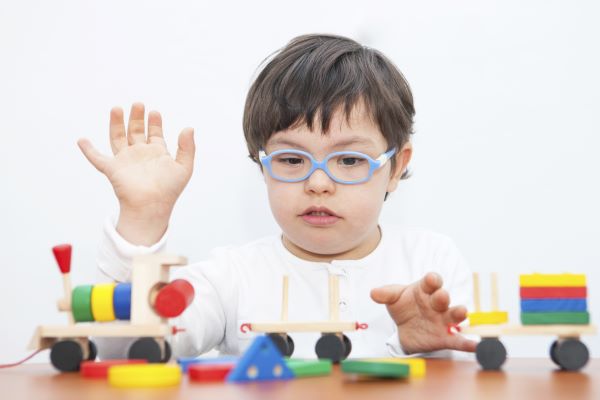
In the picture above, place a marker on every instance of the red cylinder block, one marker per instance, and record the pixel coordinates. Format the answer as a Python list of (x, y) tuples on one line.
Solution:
[(174, 298)]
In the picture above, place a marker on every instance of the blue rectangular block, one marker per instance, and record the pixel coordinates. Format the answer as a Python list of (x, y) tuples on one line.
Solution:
[(553, 305), (185, 362)]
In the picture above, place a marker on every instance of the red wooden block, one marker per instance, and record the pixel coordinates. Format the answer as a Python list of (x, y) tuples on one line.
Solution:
[(99, 369), (209, 372), (62, 253), (174, 298), (563, 292)]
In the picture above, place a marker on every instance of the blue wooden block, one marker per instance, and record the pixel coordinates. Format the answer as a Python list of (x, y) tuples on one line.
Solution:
[(122, 301), (261, 362), (553, 305), (185, 362)]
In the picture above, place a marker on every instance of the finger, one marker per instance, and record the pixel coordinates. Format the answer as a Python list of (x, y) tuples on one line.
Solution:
[(461, 343), (388, 294), (135, 127), (117, 130), (456, 315), (440, 300), (155, 131), (186, 149), (431, 282), (98, 160)]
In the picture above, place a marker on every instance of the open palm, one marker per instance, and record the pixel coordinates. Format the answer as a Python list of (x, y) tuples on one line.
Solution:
[(142, 172)]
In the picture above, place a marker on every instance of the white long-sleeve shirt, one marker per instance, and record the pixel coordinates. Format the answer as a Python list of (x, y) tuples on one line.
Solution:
[(243, 284)]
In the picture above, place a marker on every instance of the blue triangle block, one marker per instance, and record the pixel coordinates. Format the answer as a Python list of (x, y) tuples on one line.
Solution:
[(261, 362)]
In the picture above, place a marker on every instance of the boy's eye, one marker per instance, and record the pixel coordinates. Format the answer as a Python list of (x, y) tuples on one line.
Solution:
[(351, 161), (289, 160)]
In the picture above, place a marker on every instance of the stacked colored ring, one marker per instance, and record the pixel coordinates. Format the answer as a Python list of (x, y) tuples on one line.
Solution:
[(102, 302), (81, 303), (122, 301)]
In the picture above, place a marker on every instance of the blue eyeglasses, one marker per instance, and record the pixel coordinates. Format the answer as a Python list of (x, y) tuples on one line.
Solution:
[(347, 167)]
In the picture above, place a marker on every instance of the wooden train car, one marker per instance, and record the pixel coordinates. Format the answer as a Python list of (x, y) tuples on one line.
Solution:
[(332, 344), (143, 306)]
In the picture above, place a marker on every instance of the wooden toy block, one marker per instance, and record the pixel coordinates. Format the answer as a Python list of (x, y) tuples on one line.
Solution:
[(144, 376), (186, 362), (308, 368), (487, 318), (492, 317), (122, 301), (527, 330), (417, 365), (545, 318), (557, 292), (554, 280), (102, 302), (261, 362), (81, 303), (173, 298), (375, 369), (99, 369), (209, 372), (553, 305)]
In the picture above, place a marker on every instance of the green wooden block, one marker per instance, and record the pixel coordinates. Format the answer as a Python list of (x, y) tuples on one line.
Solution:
[(304, 368), (81, 303), (375, 369), (555, 318)]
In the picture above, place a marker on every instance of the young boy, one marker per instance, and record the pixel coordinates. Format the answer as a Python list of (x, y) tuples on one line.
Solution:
[(322, 98)]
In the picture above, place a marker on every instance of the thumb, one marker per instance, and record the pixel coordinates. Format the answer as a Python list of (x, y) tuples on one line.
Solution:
[(186, 148), (388, 294), (98, 160)]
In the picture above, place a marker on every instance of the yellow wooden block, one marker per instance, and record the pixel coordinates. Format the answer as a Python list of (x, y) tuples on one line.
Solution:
[(102, 302), (488, 318), (552, 280), (416, 365), (146, 375)]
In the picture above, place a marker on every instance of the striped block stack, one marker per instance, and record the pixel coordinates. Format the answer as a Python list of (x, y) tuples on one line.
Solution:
[(548, 299)]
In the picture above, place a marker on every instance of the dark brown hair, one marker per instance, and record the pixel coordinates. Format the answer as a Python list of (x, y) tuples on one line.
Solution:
[(313, 76)]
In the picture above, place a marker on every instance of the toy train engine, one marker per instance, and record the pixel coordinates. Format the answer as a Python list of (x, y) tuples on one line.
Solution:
[(145, 303)]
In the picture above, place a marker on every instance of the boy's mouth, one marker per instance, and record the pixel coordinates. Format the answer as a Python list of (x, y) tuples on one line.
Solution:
[(319, 216)]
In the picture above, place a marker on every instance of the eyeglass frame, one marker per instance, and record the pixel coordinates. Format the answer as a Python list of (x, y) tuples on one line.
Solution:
[(374, 165)]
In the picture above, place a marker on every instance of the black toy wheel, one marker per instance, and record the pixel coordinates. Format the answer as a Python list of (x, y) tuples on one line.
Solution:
[(283, 342), (571, 354), (92, 351), (66, 355), (348, 345), (553, 348), (168, 353), (490, 353), (290, 344), (145, 349), (331, 346)]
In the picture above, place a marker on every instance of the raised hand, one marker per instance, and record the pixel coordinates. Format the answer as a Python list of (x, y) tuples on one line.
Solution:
[(422, 313), (145, 177)]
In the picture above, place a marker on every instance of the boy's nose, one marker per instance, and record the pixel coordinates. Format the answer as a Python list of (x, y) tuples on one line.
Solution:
[(319, 182)]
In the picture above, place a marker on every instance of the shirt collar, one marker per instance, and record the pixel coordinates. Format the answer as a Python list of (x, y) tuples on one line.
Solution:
[(369, 259)]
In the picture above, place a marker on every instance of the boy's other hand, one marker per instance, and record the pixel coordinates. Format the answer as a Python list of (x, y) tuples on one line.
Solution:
[(145, 177), (422, 313)]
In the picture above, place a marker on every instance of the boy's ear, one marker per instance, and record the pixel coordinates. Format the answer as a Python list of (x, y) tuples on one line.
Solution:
[(402, 159)]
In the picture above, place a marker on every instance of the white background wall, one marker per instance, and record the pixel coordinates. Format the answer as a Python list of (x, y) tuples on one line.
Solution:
[(506, 146)]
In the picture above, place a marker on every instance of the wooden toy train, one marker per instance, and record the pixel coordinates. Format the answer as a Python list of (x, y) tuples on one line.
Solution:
[(146, 303), (332, 344), (551, 304)]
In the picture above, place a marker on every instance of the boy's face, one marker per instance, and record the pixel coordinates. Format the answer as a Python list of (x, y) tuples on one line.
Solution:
[(351, 232)]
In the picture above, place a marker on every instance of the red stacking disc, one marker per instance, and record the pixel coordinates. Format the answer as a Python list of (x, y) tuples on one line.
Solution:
[(209, 372), (174, 298), (99, 369), (62, 253)]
